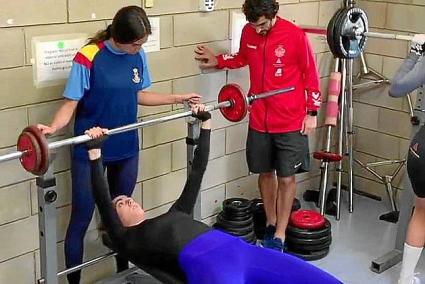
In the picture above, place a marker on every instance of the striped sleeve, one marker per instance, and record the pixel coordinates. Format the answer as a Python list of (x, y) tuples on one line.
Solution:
[(79, 78)]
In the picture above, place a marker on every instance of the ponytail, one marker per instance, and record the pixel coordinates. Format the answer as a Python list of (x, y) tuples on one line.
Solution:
[(101, 36)]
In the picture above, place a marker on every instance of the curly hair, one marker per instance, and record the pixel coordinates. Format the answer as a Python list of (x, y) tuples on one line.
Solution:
[(254, 9)]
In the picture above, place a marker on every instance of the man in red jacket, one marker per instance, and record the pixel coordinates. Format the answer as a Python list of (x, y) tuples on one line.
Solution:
[(279, 55)]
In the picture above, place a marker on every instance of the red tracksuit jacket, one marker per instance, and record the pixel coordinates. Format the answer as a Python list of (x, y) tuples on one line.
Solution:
[(282, 58)]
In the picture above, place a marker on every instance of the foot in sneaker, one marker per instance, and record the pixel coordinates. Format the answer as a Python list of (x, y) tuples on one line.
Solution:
[(268, 235), (276, 244)]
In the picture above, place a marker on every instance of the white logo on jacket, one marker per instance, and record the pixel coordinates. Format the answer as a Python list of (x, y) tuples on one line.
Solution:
[(136, 77), (278, 72), (279, 51), (251, 46), (228, 56)]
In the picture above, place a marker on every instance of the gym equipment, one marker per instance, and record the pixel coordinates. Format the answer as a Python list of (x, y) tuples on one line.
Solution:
[(257, 209), (394, 256), (307, 219), (308, 233), (33, 149), (311, 243), (236, 219), (310, 256), (347, 33)]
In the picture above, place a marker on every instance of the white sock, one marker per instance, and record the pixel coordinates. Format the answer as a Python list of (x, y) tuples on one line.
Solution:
[(411, 257)]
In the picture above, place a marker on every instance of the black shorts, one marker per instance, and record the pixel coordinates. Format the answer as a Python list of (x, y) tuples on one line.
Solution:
[(287, 153), (416, 163)]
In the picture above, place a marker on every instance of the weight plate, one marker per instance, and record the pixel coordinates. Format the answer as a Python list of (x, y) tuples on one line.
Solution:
[(307, 219), (31, 158), (310, 256), (309, 234), (308, 242), (239, 108), (309, 248), (44, 149)]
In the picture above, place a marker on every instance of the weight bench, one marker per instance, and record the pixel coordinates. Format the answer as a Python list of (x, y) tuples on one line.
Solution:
[(136, 278)]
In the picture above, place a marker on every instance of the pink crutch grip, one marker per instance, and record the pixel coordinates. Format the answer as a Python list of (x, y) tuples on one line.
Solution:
[(334, 89)]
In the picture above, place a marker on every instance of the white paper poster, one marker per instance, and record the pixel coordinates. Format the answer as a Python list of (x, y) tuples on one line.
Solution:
[(153, 43), (52, 58)]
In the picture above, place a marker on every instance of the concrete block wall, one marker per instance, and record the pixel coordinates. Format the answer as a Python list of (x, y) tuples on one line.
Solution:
[(382, 123), (163, 152)]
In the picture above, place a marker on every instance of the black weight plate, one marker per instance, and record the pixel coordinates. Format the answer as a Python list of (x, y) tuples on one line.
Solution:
[(236, 204), (337, 39), (329, 32), (309, 248), (310, 256), (248, 237), (234, 231), (233, 217), (296, 205), (317, 241), (233, 224), (232, 213), (348, 45), (309, 234)]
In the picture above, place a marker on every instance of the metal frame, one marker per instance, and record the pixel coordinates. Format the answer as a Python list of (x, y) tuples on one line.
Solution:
[(47, 193), (394, 256)]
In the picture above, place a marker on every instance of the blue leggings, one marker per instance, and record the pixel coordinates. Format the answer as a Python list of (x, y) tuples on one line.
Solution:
[(218, 258), (122, 176)]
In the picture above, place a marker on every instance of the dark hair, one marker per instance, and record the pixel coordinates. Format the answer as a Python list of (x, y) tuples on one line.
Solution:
[(129, 24), (254, 9)]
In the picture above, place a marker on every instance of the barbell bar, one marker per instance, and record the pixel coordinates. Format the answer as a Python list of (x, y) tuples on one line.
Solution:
[(33, 147), (347, 33)]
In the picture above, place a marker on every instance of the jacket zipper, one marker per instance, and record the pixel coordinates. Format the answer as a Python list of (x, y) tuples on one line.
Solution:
[(264, 72)]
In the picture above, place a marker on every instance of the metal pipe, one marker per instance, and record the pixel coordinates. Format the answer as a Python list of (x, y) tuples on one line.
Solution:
[(350, 119), (341, 138), (82, 265), (84, 138), (388, 36)]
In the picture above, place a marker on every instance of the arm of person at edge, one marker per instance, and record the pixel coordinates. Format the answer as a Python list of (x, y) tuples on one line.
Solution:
[(311, 83), (148, 98), (100, 187), (411, 74), (78, 83), (207, 59), (186, 202)]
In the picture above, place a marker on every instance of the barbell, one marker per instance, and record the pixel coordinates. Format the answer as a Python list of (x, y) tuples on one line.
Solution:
[(347, 33), (33, 148)]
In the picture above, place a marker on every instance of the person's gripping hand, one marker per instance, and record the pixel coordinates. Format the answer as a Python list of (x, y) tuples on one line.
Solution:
[(417, 44)]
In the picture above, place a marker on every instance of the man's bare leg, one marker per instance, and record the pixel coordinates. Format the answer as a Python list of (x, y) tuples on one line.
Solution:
[(285, 198), (267, 183)]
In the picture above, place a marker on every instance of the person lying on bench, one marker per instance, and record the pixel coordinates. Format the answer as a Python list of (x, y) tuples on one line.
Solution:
[(186, 249)]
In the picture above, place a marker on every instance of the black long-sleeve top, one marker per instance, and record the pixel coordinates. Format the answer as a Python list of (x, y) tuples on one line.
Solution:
[(156, 242)]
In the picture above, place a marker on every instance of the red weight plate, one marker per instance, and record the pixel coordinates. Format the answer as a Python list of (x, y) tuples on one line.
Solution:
[(239, 108), (307, 219), (31, 157), (44, 149), (327, 156)]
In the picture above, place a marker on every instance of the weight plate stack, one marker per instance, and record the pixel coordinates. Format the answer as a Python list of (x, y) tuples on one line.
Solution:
[(237, 219), (309, 244)]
